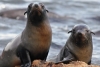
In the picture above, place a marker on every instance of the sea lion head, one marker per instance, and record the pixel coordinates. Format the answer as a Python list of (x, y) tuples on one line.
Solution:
[(36, 12), (81, 35)]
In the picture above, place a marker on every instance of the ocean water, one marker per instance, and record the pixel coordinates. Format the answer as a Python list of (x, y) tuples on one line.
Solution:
[(75, 11)]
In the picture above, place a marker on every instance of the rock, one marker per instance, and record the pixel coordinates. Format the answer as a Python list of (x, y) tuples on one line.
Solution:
[(97, 18), (40, 63), (14, 14), (19, 15)]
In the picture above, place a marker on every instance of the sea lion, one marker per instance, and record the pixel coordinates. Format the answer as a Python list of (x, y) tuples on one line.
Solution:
[(78, 46), (33, 43)]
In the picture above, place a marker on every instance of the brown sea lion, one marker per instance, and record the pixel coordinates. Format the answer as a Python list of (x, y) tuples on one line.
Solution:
[(33, 43), (78, 46)]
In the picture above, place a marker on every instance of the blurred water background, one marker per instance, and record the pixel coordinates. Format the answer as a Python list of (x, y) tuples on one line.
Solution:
[(72, 12)]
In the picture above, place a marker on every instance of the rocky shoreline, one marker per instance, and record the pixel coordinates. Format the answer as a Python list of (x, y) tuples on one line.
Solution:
[(39, 63)]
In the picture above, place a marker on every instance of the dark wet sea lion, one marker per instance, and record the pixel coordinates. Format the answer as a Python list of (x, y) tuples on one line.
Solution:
[(78, 46), (33, 43)]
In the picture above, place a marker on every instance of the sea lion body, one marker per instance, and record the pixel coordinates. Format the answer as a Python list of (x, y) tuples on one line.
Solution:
[(9, 57), (78, 46), (33, 43)]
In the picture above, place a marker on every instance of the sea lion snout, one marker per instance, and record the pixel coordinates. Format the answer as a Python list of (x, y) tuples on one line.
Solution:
[(36, 5), (79, 33)]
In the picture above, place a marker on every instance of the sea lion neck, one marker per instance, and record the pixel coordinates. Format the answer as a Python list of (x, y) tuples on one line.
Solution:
[(42, 26), (34, 23)]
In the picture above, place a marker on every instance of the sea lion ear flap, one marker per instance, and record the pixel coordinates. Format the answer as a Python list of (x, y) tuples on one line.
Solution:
[(25, 12), (47, 11), (69, 31), (93, 33)]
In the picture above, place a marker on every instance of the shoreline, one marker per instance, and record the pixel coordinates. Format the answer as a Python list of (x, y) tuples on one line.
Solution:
[(39, 63)]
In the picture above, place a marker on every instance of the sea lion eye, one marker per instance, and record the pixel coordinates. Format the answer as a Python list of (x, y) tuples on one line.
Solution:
[(42, 6), (30, 6), (90, 32), (87, 30), (73, 31)]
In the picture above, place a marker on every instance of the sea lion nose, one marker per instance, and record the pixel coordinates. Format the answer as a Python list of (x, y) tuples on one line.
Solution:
[(79, 34), (36, 5)]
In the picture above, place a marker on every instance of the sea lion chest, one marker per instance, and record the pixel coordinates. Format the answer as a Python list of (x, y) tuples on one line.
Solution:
[(37, 40), (81, 54)]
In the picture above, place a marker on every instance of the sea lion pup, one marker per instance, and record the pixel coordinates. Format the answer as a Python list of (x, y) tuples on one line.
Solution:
[(33, 43), (78, 46)]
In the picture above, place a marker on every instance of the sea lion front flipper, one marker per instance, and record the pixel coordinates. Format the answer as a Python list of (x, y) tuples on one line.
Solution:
[(25, 59), (66, 57), (65, 61), (89, 62), (24, 56)]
